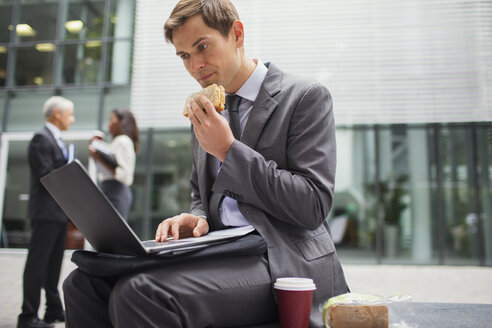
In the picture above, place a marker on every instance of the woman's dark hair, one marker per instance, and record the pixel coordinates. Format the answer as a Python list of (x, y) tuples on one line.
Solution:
[(128, 125)]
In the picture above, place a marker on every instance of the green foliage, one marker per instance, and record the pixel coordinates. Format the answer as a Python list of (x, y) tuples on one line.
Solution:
[(391, 197)]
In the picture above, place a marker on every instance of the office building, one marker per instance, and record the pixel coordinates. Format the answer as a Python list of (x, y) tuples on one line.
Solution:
[(411, 83)]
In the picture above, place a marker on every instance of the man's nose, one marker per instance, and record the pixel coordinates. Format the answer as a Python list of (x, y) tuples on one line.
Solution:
[(197, 63)]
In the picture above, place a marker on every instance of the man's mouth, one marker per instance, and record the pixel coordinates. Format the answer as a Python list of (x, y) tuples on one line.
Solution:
[(205, 77)]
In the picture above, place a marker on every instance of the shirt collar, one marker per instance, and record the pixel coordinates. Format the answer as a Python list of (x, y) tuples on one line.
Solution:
[(252, 86), (54, 130)]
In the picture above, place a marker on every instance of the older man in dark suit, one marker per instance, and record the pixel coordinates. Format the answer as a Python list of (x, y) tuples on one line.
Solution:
[(269, 161), (47, 151)]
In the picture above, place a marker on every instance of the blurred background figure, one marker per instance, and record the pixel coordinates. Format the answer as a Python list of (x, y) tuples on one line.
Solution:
[(115, 162), (47, 151)]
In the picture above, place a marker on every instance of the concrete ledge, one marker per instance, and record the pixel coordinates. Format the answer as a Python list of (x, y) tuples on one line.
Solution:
[(444, 284), (450, 284)]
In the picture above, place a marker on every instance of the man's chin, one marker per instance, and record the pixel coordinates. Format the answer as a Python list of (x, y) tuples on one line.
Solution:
[(208, 82), (205, 84)]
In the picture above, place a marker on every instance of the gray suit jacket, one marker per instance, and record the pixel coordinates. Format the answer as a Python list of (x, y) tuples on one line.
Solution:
[(282, 174)]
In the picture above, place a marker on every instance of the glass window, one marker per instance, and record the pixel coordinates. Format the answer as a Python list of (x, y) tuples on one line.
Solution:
[(484, 152), (408, 215), (171, 169), (458, 195), (33, 65), (5, 20), (119, 65), (26, 110), (85, 19), (2, 99), (86, 103), (122, 18), (16, 225), (81, 63), (353, 220), (3, 66), (139, 210), (37, 20), (115, 98)]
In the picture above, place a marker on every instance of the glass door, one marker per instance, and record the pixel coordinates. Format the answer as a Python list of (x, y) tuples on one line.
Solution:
[(14, 176), (14, 188)]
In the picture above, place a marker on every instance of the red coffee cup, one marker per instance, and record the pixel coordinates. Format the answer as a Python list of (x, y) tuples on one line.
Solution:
[(295, 296)]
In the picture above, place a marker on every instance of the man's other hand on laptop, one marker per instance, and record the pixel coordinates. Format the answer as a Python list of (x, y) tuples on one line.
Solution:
[(182, 226)]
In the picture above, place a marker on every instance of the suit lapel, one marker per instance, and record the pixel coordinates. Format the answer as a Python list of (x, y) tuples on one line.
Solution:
[(263, 106), (261, 111)]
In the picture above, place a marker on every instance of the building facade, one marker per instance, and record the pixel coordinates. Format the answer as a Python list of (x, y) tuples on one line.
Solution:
[(411, 83)]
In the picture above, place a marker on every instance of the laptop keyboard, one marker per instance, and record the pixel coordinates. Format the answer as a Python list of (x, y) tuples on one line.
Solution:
[(151, 243), (170, 241)]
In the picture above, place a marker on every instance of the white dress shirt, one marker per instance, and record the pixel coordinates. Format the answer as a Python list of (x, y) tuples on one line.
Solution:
[(229, 211), (57, 135)]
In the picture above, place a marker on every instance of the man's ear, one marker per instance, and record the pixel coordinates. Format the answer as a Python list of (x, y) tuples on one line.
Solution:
[(56, 113), (237, 31)]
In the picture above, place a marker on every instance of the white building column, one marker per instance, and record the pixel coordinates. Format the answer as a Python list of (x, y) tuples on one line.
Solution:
[(420, 194)]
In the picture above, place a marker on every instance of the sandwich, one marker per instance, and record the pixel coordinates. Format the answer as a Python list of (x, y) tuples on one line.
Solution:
[(215, 93)]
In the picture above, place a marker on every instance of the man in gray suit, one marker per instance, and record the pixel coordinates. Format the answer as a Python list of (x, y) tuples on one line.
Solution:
[(275, 171)]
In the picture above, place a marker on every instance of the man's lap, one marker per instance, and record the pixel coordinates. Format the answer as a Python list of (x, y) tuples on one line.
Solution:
[(211, 292)]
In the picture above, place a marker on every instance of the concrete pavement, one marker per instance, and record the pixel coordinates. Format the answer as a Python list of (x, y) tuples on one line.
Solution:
[(422, 283), (11, 269)]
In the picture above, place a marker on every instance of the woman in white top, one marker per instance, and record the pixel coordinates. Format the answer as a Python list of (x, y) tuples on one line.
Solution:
[(115, 181)]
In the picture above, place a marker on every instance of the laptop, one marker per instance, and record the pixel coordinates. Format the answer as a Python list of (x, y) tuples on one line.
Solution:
[(102, 225)]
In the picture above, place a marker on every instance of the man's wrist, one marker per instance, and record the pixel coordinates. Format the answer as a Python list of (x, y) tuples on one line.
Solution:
[(222, 157)]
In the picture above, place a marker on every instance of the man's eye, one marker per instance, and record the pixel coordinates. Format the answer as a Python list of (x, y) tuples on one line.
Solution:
[(184, 56), (203, 46)]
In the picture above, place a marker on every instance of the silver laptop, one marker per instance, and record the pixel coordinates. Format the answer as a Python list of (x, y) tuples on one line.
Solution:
[(101, 224)]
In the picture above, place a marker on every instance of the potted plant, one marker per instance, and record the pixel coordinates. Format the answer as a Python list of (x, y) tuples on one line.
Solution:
[(391, 202)]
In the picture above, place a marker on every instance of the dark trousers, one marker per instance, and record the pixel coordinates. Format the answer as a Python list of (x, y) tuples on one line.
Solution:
[(119, 194), (214, 292), (43, 267)]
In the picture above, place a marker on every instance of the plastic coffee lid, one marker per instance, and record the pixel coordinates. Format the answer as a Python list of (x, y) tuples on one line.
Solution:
[(294, 283)]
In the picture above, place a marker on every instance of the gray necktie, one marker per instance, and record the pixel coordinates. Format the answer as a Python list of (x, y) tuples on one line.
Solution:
[(215, 201), (232, 105)]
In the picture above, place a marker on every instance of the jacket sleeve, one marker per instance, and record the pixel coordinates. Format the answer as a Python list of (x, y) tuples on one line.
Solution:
[(301, 193), (125, 157), (196, 207)]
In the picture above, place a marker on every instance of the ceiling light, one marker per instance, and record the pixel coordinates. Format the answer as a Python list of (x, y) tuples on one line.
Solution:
[(45, 47), (38, 80), (25, 30), (93, 44), (74, 26)]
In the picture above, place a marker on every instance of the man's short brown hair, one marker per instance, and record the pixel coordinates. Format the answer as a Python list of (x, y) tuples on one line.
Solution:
[(217, 14)]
